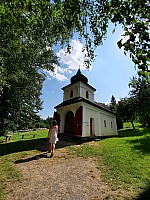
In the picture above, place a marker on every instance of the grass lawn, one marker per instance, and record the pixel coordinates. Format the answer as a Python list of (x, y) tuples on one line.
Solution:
[(15, 149), (124, 160)]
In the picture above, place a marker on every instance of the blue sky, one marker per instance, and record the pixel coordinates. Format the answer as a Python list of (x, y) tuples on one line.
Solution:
[(110, 73)]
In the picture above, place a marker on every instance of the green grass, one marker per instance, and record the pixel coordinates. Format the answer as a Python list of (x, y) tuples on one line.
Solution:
[(128, 125), (17, 149), (27, 135), (123, 160)]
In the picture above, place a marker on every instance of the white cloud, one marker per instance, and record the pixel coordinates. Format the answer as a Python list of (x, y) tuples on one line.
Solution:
[(75, 58), (49, 78), (125, 39), (64, 70), (56, 74), (108, 103), (72, 61)]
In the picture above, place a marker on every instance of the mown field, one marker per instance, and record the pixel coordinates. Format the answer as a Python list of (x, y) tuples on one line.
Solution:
[(124, 160), (17, 148)]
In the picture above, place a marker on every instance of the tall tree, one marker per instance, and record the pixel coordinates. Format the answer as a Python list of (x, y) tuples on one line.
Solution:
[(141, 91), (127, 109), (24, 51), (113, 103), (20, 101), (113, 106)]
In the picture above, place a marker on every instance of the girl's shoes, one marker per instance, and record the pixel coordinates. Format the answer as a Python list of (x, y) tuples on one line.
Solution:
[(51, 155)]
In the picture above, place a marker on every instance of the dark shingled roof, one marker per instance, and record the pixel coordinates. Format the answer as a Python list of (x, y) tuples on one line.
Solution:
[(79, 99), (79, 77)]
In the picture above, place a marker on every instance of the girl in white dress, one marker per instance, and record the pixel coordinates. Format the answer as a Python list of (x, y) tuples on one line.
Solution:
[(53, 133)]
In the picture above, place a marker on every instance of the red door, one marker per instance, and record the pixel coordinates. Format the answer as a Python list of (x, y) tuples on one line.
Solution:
[(78, 121)]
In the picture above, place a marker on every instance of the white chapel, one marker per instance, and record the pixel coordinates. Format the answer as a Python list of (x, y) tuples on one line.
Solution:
[(79, 115)]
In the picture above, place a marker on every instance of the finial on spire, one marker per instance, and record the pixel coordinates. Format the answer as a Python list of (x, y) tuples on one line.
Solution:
[(79, 72)]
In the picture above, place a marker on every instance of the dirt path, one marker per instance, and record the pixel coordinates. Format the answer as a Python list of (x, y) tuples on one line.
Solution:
[(62, 177)]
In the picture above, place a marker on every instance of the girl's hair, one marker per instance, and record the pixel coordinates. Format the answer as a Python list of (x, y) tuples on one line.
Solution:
[(54, 122)]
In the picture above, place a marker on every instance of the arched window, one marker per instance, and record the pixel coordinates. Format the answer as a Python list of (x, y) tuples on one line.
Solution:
[(111, 124), (71, 94), (104, 123), (87, 94)]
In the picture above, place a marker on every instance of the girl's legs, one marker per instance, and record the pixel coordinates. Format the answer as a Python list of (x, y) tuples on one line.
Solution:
[(52, 148)]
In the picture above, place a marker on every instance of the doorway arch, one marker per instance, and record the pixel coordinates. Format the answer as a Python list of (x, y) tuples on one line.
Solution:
[(69, 128)]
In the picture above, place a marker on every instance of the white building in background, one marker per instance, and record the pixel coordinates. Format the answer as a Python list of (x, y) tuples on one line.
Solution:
[(79, 115)]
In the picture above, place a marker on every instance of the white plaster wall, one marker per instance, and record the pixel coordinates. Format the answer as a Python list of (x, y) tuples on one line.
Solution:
[(108, 130), (79, 90), (66, 95), (99, 117), (90, 113), (85, 88), (67, 91)]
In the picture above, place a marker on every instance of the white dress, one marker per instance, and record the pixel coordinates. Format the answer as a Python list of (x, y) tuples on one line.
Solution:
[(53, 135)]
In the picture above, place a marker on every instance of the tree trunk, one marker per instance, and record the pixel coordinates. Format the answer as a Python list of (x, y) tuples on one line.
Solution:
[(132, 124)]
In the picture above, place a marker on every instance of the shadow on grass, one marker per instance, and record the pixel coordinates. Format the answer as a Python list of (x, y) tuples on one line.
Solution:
[(19, 146), (145, 195), (34, 144), (141, 144), (42, 155), (45, 147), (133, 132)]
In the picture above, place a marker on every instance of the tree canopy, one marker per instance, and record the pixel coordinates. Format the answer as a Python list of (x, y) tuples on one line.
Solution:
[(135, 107), (29, 29), (33, 27), (127, 109)]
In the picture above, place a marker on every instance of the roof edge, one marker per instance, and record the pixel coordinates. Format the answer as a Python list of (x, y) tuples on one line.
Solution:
[(79, 99), (77, 82)]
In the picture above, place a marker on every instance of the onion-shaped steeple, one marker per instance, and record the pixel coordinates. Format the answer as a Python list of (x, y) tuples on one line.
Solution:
[(79, 77)]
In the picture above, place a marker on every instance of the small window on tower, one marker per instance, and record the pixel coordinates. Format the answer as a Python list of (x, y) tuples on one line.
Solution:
[(111, 124), (104, 123), (87, 94), (71, 94)]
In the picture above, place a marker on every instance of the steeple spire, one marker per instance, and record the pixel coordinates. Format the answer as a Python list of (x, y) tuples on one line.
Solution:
[(79, 71)]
